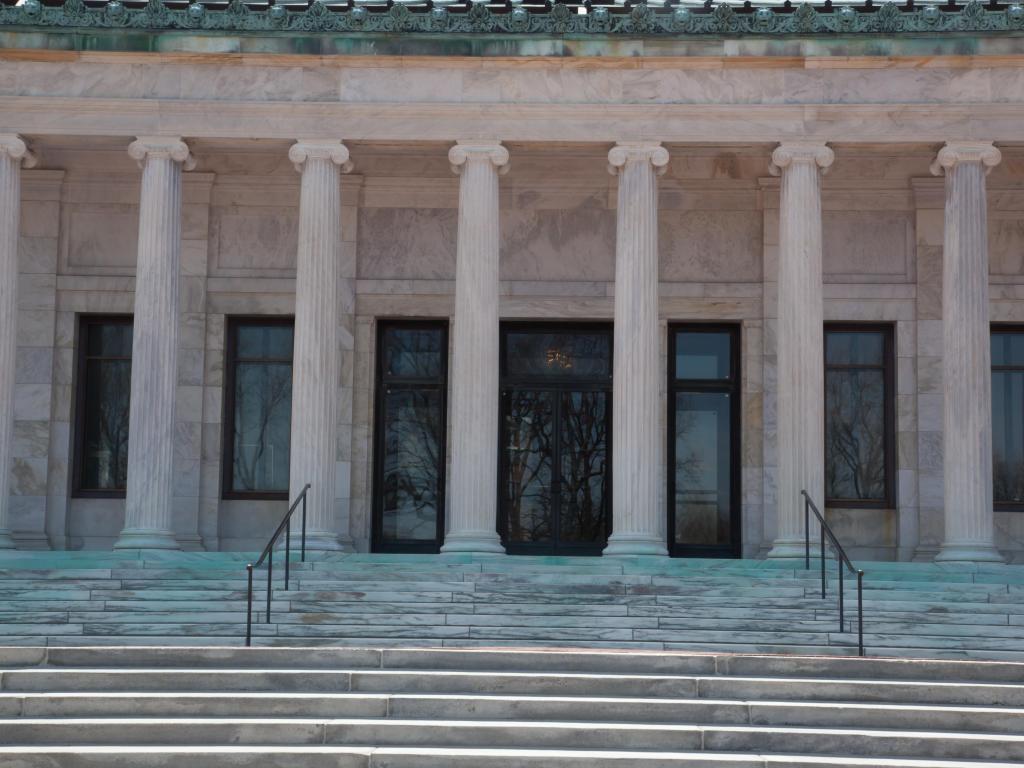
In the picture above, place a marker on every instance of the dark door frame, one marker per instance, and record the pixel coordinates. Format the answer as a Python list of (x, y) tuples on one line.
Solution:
[(558, 387), (377, 541), (733, 387)]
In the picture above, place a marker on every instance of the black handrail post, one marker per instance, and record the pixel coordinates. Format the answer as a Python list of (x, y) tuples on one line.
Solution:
[(840, 563), (807, 532), (287, 552), (270, 586), (823, 562), (248, 617), (285, 527), (860, 613), (304, 523)]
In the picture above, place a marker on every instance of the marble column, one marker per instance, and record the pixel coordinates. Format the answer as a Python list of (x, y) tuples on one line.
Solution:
[(638, 518), (800, 339), (316, 374), (147, 522), (473, 505), (13, 155), (966, 355)]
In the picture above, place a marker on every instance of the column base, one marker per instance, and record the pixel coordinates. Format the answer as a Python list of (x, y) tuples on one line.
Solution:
[(791, 549), (969, 553), (146, 538), (6, 542), (474, 542), (630, 544), (316, 541)]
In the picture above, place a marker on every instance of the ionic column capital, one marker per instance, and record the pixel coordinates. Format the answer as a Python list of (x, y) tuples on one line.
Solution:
[(637, 151), (12, 145), (956, 152), (172, 147), (478, 149), (320, 149), (790, 152)]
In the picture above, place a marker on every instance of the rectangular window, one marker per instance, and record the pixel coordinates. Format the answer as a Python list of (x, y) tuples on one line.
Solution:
[(409, 445), (102, 394), (703, 443), (859, 416), (1008, 417), (257, 407)]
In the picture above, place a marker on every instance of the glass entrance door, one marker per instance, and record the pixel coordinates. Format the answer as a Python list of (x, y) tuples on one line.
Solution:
[(555, 451), (703, 444)]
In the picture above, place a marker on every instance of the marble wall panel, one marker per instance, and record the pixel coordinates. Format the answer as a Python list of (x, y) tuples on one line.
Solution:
[(254, 240), (1006, 245), (416, 243), (557, 245), (100, 237), (866, 246), (699, 246)]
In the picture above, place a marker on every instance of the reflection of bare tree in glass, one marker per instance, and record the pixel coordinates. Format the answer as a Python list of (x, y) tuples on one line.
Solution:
[(412, 433), (1008, 477), (109, 443), (583, 458), (263, 397), (696, 508), (855, 444), (412, 458), (529, 430)]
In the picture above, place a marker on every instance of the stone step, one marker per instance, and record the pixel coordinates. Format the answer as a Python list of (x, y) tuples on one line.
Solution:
[(509, 683), (511, 734), (406, 757), (490, 707)]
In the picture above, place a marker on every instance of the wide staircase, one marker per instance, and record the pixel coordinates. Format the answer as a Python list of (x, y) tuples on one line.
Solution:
[(462, 708), (910, 609)]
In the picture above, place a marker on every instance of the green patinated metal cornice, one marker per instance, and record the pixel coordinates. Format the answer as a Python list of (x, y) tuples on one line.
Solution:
[(479, 18)]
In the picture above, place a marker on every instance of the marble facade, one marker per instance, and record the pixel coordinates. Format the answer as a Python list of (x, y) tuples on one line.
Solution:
[(398, 230)]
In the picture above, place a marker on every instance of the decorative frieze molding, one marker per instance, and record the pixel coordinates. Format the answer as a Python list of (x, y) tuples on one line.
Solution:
[(498, 18)]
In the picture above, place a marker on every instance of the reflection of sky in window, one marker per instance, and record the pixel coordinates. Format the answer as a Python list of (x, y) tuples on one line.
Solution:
[(702, 355)]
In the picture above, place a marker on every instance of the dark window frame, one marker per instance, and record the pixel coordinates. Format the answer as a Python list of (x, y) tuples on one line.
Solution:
[(85, 322), (380, 385), (557, 384), (1004, 328), (733, 386), (227, 453), (888, 368)]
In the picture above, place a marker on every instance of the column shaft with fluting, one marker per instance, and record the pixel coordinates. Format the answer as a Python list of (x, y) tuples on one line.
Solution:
[(13, 154), (638, 519), (148, 522), (315, 377), (473, 490), (966, 356), (800, 339)]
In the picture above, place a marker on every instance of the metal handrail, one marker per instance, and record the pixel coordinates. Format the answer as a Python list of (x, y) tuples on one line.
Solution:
[(285, 526), (841, 560)]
